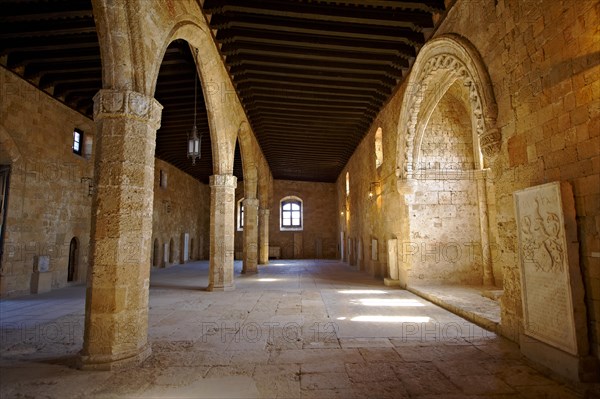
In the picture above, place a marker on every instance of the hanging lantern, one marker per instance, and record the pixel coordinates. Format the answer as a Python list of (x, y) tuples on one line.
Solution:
[(194, 142)]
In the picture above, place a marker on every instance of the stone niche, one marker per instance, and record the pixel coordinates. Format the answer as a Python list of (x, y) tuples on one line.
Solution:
[(554, 313)]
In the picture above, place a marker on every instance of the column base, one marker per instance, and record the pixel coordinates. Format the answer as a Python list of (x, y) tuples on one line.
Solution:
[(574, 368), (113, 362), (250, 271), (229, 287), (388, 282)]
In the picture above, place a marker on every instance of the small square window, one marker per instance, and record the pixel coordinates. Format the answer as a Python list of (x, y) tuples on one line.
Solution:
[(77, 142)]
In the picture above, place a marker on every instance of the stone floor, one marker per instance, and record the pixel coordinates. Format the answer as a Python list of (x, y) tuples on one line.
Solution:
[(298, 329)]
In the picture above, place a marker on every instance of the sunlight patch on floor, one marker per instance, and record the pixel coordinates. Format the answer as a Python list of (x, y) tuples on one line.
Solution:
[(358, 292), (386, 302), (391, 319)]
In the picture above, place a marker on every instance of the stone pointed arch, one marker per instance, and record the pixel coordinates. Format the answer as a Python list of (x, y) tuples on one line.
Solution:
[(132, 51), (257, 176), (265, 185), (440, 63), (114, 38), (249, 161), (8, 145), (222, 129)]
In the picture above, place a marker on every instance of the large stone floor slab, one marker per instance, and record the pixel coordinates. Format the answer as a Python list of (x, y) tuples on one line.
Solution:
[(297, 329)]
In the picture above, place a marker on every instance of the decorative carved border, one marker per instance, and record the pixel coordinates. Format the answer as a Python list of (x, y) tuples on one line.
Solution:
[(443, 61), (229, 181), (111, 104)]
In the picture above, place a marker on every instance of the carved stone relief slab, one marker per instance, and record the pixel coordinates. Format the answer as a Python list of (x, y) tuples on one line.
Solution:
[(545, 276)]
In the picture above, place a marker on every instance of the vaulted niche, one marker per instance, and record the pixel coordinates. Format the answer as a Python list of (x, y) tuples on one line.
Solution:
[(444, 213)]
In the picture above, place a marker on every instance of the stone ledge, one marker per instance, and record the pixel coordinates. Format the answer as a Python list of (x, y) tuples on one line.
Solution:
[(485, 320)]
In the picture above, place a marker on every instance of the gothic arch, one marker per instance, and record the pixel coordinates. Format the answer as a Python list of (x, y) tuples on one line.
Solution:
[(249, 160), (224, 114), (132, 52), (9, 147), (439, 64)]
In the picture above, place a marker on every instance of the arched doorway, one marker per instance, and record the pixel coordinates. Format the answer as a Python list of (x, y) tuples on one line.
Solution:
[(9, 155), (156, 253), (73, 260)]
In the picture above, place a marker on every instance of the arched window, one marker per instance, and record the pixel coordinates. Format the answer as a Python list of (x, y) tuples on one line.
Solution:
[(378, 148), (347, 183), (291, 213), (240, 215)]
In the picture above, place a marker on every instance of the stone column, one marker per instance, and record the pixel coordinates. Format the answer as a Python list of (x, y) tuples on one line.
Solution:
[(116, 310), (486, 253), (222, 227), (263, 232), (250, 236)]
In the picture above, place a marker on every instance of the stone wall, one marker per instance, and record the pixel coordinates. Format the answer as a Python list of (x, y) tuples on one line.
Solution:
[(448, 140), (543, 64), (444, 240), (180, 207), (48, 202), (317, 239)]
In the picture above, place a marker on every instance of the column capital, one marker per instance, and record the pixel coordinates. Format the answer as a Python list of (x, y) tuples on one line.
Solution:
[(113, 104), (251, 202), (490, 142), (223, 181), (264, 211)]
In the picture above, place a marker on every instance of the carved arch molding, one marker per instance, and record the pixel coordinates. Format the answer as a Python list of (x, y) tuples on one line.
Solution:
[(439, 64)]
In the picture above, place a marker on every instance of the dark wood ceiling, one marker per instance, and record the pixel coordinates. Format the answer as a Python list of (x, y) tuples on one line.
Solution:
[(312, 74), (54, 45)]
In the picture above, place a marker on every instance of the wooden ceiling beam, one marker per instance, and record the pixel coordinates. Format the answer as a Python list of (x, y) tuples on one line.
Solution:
[(399, 18), (274, 26), (236, 36)]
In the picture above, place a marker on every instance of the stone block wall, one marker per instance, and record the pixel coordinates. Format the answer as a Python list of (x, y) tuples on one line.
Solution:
[(317, 239), (181, 205), (447, 143), (444, 240), (48, 202), (542, 59)]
